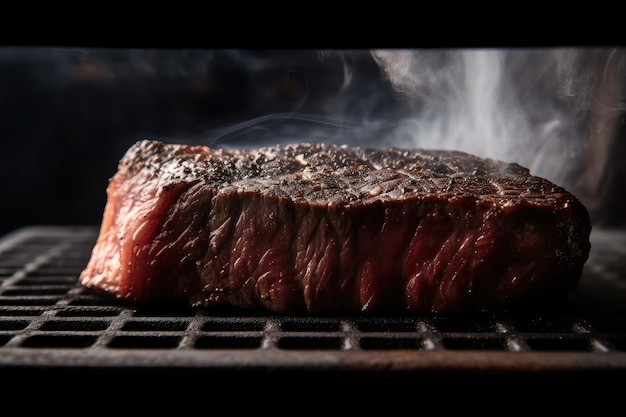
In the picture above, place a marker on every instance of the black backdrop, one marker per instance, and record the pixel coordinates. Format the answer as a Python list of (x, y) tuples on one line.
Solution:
[(68, 114)]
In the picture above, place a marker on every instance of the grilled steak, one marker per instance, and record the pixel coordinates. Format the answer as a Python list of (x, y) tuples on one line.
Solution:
[(319, 228)]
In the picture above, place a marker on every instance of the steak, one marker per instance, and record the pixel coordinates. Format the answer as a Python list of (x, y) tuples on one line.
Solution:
[(321, 228)]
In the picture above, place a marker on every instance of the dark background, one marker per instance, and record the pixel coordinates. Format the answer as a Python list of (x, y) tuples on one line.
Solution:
[(67, 115)]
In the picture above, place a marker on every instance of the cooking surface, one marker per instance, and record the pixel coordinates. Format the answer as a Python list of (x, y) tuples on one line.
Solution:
[(47, 319)]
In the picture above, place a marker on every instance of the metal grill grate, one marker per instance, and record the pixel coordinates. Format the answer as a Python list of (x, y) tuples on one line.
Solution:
[(47, 319)]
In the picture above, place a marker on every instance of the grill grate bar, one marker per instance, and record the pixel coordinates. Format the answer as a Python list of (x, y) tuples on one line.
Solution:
[(44, 310)]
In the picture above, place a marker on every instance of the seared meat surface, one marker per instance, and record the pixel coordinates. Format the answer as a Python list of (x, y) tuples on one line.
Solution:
[(319, 228)]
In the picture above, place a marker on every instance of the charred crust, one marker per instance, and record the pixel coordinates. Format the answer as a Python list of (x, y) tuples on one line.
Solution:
[(336, 174)]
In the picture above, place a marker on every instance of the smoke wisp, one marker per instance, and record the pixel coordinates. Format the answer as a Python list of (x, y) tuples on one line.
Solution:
[(556, 111)]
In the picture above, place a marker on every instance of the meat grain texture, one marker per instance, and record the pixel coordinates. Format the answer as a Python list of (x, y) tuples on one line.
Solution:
[(320, 228)]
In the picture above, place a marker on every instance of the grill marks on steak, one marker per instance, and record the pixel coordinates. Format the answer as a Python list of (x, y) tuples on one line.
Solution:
[(322, 228)]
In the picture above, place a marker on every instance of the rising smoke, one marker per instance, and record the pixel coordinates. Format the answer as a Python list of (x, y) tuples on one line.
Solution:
[(531, 106), (557, 111)]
